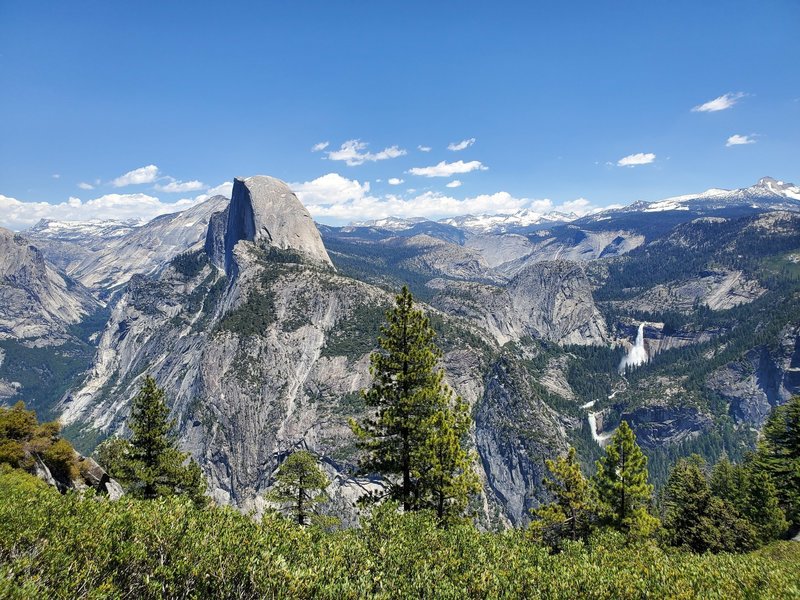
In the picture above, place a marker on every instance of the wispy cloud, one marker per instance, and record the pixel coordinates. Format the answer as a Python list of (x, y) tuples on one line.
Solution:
[(56, 175), (174, 187), (454, 184), (85, 186), (424, 148), (740, 140), (633, 160), (320, 146), (354, 153), (395, 181), (722, 103), (138, 176), (463, 144), (446, 169)]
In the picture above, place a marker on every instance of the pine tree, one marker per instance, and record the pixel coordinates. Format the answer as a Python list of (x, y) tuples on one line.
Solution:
[(698, 520), (762, 507), (413, 437), (443, 467), (779, 456), (570, 513), (621, 485), (299, 484), (150, 464)]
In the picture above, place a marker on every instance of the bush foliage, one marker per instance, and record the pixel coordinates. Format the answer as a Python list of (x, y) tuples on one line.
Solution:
[(54, 546)]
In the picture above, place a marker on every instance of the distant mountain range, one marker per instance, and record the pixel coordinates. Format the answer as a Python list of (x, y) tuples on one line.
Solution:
[(767, 194)]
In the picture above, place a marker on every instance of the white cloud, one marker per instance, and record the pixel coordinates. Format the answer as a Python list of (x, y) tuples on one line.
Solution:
[(336, 198), (739, 140), (445, 169), (330, 189), (320, 146), (463, 144), (56, 175), (722, 103), (353, 153), (181, 186), (85, 186), (16, 214), (146, 174), (454, 184), (223, 189), (394, 181), (633, 160), (424, 148)]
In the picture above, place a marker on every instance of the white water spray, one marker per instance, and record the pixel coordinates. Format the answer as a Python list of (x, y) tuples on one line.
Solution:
[(637, 355)]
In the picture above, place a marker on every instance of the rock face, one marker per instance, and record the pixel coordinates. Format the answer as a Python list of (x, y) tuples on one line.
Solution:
[(36, 301), (263, 210), (546, 300), (766, 377), (719, 290), (555, 302), (515, 432)]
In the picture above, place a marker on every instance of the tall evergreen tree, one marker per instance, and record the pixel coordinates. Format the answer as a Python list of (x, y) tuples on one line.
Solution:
[(299, 485), (698, 520), (779, 455), (762, 507), (150, 464), (623, 493), (414, 436), (570, 514), (442, 465)]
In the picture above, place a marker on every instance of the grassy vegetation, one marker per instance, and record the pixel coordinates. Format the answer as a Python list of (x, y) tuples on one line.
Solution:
[(54, 546)]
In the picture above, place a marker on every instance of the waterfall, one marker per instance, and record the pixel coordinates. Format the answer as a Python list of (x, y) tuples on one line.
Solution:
[(637, 355)]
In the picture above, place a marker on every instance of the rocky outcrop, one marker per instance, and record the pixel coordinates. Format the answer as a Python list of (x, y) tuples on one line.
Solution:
[(36, 301), (90, 476), (554, 300), (717, 289), (765, 377), (440, 258), (657, 426), (263, 210), (548, 300), (515, 431)]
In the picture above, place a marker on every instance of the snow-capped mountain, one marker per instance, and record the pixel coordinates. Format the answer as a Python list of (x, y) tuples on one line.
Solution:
[(83, 231), (390, 223), (475, 223), (505, 222), (767, 194)]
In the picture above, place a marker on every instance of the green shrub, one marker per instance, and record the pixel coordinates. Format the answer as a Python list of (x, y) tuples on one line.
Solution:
[(60, 459), (54, 546)]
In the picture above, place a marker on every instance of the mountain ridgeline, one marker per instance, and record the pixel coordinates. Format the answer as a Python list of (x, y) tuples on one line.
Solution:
[(258, 325)]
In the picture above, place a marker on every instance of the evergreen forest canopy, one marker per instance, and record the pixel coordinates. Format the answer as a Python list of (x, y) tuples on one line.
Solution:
[(714, 530)]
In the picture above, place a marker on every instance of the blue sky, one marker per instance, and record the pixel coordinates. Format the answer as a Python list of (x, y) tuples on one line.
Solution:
[(183, 96)]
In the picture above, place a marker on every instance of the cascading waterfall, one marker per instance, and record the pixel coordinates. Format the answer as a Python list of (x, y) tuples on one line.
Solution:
[(637, 355)]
